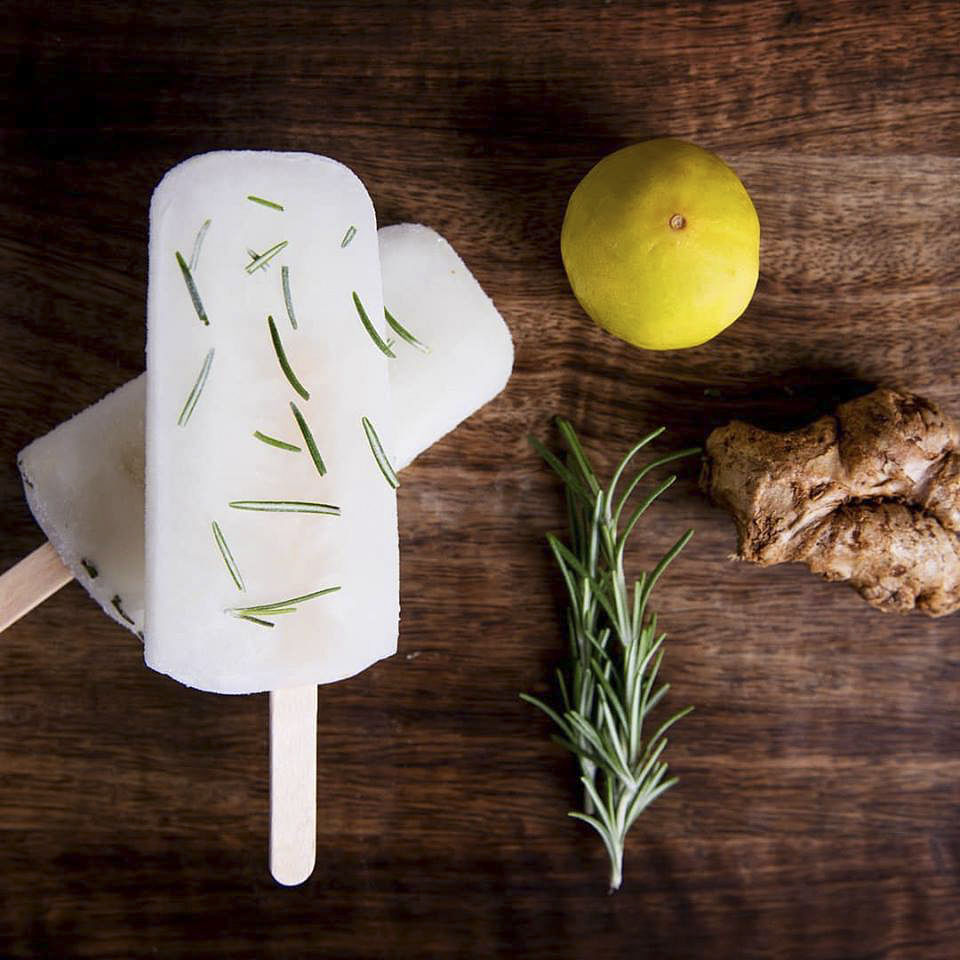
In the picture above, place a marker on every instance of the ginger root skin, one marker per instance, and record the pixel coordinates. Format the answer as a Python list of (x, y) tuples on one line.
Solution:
[(869, 495)]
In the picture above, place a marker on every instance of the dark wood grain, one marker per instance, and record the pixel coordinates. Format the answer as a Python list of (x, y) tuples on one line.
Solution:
[(816, 816)]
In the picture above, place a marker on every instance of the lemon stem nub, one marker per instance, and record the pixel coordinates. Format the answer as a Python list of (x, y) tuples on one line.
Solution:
[(677, 222)]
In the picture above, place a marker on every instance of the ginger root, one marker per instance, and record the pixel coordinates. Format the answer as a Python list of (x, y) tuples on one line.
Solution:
[(869, 495)]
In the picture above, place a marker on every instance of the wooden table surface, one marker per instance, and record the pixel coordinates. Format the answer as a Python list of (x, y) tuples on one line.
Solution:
[(817, 811)]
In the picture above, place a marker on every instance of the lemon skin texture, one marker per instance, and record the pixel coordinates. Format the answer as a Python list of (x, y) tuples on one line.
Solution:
[(661, 244)]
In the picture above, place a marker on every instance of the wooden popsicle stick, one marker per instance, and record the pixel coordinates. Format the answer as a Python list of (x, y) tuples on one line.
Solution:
[(293, 784), (28, 583)]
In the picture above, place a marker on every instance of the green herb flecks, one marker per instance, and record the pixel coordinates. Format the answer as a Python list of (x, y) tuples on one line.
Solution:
[(284, 606), (403, 333), (266, 203), (308, 439), (370, 328), (348, 236), (382, 462), (610, 686), (92, 571), (257, 612), (192, 289), (198, 386), (256, 620), (286, 506), (260, 260), (284, 363), (197, 244), (274, 442), (118, 606), (287, 299), (227, 555)]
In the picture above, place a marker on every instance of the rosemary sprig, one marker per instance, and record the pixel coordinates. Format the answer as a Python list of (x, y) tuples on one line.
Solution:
[(390, 475), (197, 389), (231, 564), (274, 442), (266, 203), (403, 333), (260, 260), (287, 299), (286, 506), (348, 236), (284, 363), (197, 244), (370, 328), (192, 289), (308, 439), (610, 686)]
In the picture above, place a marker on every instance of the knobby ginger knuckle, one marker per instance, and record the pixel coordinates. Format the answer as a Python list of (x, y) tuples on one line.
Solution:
[(870, 495)]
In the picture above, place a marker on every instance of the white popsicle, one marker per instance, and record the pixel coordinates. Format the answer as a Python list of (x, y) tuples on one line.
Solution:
[(428, 289), (267, 567), (84, 479)]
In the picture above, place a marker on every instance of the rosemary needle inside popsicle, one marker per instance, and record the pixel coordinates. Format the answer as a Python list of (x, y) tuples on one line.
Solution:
[(348, 236), (232, 567), (370, 328), (256, 620), (118, 606), (274, 442), (197, 244), (382, 462), (260, 260), (198, 386), (403, 333), (284, 606), (308, 439), (286, 506), (266, 203), (192, 289), (284, 363), (287, 299)]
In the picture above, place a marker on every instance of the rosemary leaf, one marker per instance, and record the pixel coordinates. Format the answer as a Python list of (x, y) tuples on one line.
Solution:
[(266, 203), (284, 606), (92, 571), (259, 260), (607, 689), (118, 606), (348, 236), (287, 299), (403, 333), (370, 328), (192, 289), (274, 442), (308, 439), (284, 363), (256, 620), (231, 564), (382, 462), (194, 394), (197, 244), (286, 506)]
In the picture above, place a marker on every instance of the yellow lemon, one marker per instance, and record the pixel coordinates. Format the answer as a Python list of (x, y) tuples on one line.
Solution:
[(661, 244)]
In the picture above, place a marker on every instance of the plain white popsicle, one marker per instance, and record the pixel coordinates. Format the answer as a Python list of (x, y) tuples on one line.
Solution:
[(84, 479), (235, 524)]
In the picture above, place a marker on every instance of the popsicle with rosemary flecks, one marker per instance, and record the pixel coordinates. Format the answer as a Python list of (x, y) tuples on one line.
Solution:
[(271, 531), (84, 479)]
